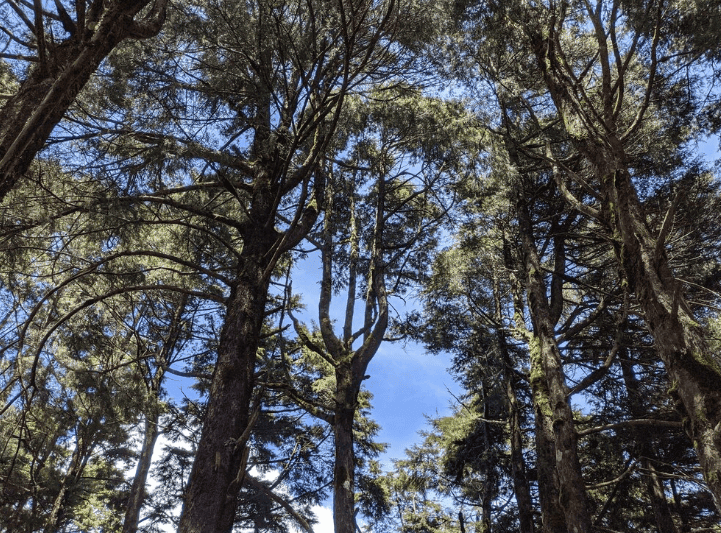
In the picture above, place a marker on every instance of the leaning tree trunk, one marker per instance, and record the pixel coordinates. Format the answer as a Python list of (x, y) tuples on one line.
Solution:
[(29, 116), (152, 418), (693, 370), (137, 491), (75, 470), (217, 475)]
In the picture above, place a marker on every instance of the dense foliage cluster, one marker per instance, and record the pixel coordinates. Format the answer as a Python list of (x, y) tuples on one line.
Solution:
[(528, 173)]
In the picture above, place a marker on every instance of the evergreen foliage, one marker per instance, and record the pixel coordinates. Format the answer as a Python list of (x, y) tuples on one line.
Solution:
[(517, 184)]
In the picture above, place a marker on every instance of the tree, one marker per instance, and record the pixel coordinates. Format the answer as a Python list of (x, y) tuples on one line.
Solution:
[(60, 69), (381, 216), (604, 140), (279, 94)]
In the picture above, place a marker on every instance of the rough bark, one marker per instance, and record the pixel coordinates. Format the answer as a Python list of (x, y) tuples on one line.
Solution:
[(693, 370), (552, 516), (552, 513), (344, 468), (219, 466), (546, 367), (43, 98)]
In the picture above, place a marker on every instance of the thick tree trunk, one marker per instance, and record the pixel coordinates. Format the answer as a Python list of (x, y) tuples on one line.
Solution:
[(29, 116), (553, 402), (217, 475), (552, 516), (344, 469), (694, 371)]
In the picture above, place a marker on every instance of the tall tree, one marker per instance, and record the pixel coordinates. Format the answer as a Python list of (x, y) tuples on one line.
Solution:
[(384, 205), (602, 130)]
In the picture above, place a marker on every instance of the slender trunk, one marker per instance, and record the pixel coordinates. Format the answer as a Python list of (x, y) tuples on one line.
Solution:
[(518, 466), (137, 491), (71, 476), (659, 503), (351, 364), (216, 477), (546, 368), (654, 485), (521, 486), (29, 116), (487, 489), (685, 526), (152, 418)]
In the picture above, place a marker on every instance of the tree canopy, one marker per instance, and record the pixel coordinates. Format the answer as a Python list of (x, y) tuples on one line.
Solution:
[(519, 185)]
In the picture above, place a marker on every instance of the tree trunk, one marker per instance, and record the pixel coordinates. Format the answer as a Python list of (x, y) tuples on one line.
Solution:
[(344, 469), (693, 369), (137, 491), (71, 477), (152, 430), (518, 466), (217, 474), (486, 489), (29, 116), (552, 516), (654, 485), (552, 401)]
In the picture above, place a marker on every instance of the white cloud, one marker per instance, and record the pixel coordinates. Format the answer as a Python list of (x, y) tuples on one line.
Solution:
[(325, 520)]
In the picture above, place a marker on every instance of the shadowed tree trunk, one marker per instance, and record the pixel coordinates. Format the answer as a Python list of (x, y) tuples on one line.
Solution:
[(220, 461), (654, 484), (552, 515), (519, 475), (137, 490), (152, 419)]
